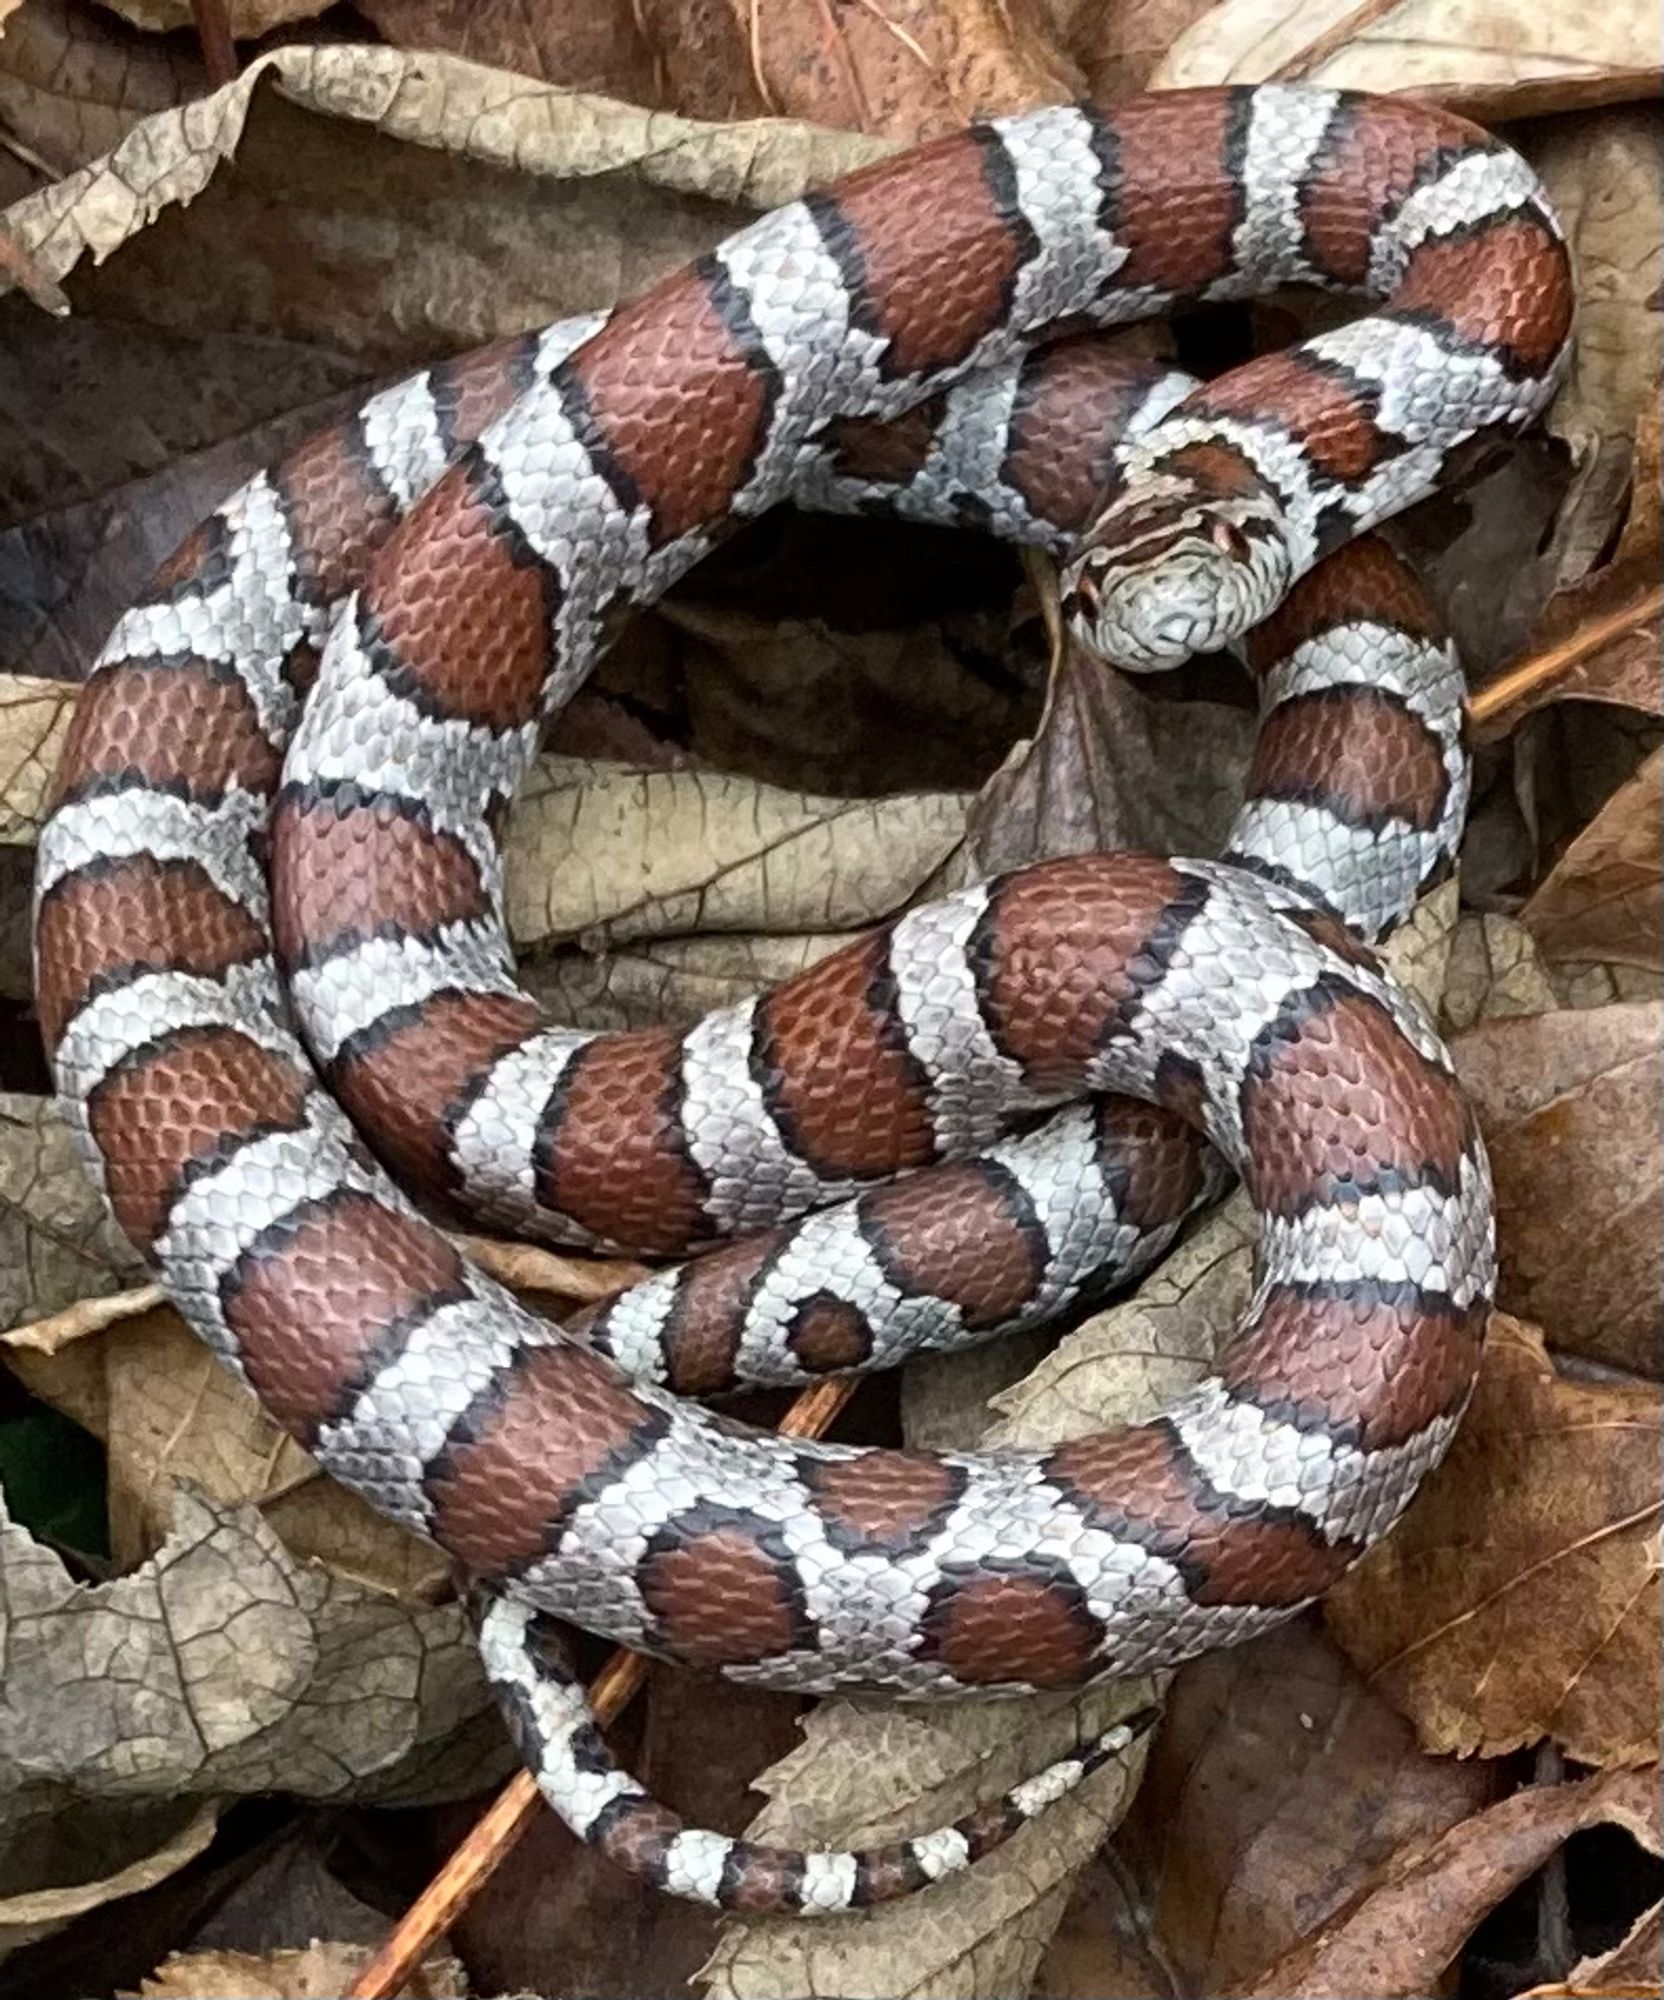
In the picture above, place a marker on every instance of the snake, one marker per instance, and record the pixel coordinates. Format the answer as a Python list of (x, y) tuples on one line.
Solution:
[(272, 971)]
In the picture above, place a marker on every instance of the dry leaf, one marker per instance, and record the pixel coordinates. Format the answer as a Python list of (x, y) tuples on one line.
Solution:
[(1494, 972), (1604, 173), (1279, 1784), (139, 1849), (1518, 1598), (1597, 639), (905, 68), (58, 1244), (1568, 1103), (73, 82), (221, 1668), (1120, 48), (1491, 58), (249, 19), (1629, 1971), (1109, 766), (320, 1972), (618, 854), (1601, 901), (597, 46), (1401, 1933)]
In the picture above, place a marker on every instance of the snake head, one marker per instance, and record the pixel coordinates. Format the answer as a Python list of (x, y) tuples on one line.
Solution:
[(1171, 568)]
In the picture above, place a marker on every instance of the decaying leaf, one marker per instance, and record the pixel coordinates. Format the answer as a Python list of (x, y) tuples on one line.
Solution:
[(599, 46), (1491, 58), (1518, 1599), (1278, 1786), (1401, 1932), (138, 1847), (1568, 1102), (1601, 900), (1629, 1971)]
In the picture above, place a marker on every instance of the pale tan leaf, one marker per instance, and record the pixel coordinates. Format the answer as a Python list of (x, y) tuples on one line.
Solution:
[(1399, 1936), (1518, 1599), (1492, 58), (1568, 1103), (249, 19), (617, 854)]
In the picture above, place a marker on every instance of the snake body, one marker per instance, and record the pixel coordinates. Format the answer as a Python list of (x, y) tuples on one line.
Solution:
[(343, 673)]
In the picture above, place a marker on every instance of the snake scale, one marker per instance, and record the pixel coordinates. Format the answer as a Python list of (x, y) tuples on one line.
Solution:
[(271, 964)]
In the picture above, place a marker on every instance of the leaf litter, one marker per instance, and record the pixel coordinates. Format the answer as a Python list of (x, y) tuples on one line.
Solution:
[(1334, 1810)]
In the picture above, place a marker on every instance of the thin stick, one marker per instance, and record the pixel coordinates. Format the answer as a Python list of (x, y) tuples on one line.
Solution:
[(213, 33), (1545, 668), (497, 1830)]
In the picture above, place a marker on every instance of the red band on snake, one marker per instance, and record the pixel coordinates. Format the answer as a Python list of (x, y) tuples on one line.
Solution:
[(351, 661)]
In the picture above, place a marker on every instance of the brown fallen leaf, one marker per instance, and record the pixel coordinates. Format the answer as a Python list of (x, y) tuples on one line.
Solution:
[(1518, 1599), (1280, 1783), (1495, 972), (248, 19), (599, 46), (1601, 900), (1491, 58), (1121, 47), (1568, 1102), (1406, 1927), (1604, 172), (907, 69), (137, 1849)]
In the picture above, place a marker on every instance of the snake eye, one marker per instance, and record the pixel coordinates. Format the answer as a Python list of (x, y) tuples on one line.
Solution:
[(1229, 539)]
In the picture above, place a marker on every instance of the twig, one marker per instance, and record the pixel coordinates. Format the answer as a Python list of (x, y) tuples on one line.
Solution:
[(213, 32), (506, 1819), (1545, 668)]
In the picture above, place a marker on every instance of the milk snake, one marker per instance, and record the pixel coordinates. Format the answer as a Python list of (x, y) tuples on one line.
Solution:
[(340, 676)]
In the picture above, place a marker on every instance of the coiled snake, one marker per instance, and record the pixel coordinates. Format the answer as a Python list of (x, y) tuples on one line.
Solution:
[(340, 677)]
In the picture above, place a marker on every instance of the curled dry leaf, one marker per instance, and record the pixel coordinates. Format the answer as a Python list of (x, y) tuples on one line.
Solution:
[(137, 1849), (1518, 1599), (1601, 900), (1120, 48), (1407, 1926), (1492, 58), (1278, 1785), (1568, 1102)]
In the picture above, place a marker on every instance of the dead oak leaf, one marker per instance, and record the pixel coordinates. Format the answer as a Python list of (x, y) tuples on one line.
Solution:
[(1568, 1104), (1519, 1597)]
